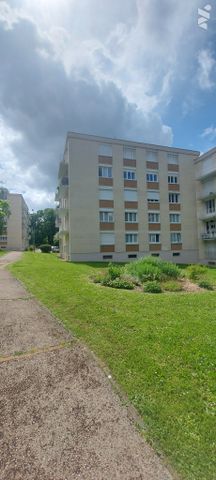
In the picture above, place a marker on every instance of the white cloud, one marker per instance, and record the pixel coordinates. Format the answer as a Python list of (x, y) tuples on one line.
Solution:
[(106, 68), (209, 133), (206, 70)]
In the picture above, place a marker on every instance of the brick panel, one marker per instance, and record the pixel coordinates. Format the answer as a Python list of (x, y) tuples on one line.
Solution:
[(131, 205), (176, 246), (107, 248), (132, 248), (129, 163), (173, 168), (154, 227), (153, 185), (152, 165), (153, 206), (130, 183), (106, 226), (174, 187), (155, 247), (107, 182), (104, 160), (106, 203), (175, 227), (174, 207), (131, 226)]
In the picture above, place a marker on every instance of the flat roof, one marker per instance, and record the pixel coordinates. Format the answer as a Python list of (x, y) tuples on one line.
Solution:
[(206, 155), (134, 143)]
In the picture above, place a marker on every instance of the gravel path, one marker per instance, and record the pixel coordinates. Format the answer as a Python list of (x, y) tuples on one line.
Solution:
[(59, 416)]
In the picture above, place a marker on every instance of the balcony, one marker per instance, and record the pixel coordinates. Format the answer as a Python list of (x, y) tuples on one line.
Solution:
[(208, 236), (63, 170)]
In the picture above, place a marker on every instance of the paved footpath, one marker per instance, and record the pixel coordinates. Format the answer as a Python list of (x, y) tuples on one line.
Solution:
[(59, 416)]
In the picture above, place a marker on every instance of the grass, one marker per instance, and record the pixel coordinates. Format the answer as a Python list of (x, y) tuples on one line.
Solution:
[(159, 348), (3, 252)]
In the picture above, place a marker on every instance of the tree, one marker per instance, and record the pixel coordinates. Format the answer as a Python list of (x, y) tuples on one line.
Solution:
[(4, 214), (42, 227)]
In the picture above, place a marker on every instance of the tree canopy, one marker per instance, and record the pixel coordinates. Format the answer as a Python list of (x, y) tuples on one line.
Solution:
[(42, 227), (4, 214)]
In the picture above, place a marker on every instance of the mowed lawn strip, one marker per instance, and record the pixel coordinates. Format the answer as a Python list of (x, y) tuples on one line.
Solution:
[(159, 348)]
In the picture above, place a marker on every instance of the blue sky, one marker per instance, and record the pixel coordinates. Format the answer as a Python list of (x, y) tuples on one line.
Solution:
[(136, 69)]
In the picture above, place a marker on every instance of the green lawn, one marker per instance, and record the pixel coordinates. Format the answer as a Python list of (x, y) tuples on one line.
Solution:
[(2, 252), (159, 348)]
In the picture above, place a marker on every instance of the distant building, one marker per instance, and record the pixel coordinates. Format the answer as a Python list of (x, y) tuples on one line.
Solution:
[(16, 234), (120, 200)]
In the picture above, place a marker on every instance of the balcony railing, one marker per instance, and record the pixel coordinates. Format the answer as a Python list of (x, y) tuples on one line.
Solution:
[(208, 236)]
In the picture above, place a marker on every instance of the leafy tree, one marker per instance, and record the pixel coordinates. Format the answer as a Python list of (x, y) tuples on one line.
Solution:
[(42, 227), (4, 214)]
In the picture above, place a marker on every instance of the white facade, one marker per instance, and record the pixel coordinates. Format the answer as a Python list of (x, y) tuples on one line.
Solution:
[(120, 200), (16, 235), (206, 205)]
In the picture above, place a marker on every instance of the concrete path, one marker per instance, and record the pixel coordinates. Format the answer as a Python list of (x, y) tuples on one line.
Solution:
[(59, 416)]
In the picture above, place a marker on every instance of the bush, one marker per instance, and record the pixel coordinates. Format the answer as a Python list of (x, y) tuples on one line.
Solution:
[(114, 271), (151, 268), (117, 283), (172, 286), (152, 287), (45, 248), (196, 271), (98, 278), (31, 248), (206, 284)]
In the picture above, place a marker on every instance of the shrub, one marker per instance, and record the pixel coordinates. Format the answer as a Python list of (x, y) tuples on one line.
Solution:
[(114, 271), (152, 287), (206, 284), (151, 268), (196, 271), (172, 286), (117, 283), (31, 248), (45, 248), (98, 278)]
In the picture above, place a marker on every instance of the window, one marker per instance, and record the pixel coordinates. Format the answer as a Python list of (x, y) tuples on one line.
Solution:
[(3, 238), (107, 239), (176, 254), (174, 197), (129, 175), (152, 177), (153, 196), (131, 217), (130, 195), (172, 179), (154, 238), (107, 257), (151, 156), (106, 217), (131, 238), (210, 206), (155, 255), (175, 237), (105, 150), (154, 218), (132, 255), (175, 218), (172, 158), (129, 153), (105, 172), (105, 194)]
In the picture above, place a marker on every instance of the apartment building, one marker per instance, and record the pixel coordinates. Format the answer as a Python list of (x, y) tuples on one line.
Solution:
[(205, 167), (120, 200), (16, 234)]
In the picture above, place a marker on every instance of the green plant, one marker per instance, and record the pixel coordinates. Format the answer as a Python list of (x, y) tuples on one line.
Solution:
[(206, 284), (45, 248), (98, 278), (114, 271), (152, 287), (196, 271), (31, 248), (172, 286), (117, 283), (151, 268)]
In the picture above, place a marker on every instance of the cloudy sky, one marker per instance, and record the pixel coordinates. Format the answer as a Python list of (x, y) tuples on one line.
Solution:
[(134, 69)]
